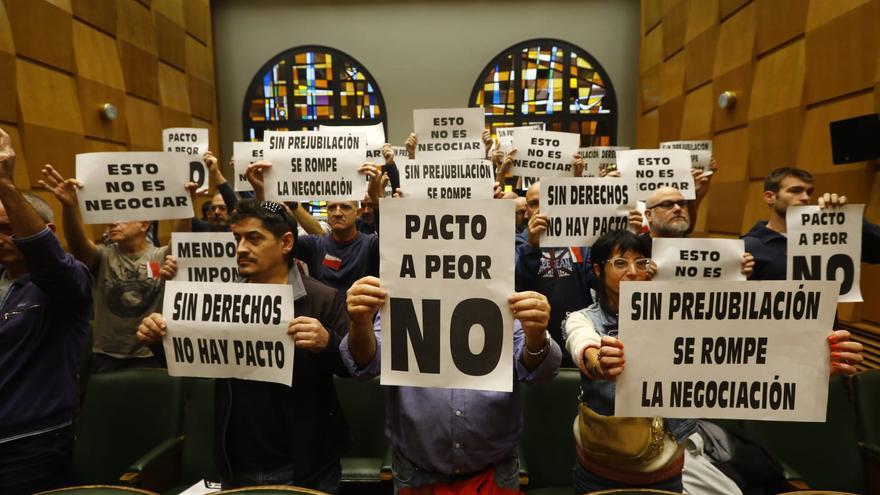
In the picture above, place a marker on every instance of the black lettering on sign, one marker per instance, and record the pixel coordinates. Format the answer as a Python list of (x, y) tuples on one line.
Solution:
[(472, 312), (405, 327)]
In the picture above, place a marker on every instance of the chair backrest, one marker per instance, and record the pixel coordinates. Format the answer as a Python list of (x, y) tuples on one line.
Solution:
[(271, 490), (97, 490), (363, 403), (825, 454), (124, 415), (197, 455), (633, 491), (547, 441), (866, 398)]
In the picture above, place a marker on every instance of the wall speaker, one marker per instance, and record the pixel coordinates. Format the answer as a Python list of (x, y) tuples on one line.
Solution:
[(856, 139)]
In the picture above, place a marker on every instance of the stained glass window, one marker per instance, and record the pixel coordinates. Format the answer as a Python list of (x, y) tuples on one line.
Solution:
[(304, 87), (550, 82)]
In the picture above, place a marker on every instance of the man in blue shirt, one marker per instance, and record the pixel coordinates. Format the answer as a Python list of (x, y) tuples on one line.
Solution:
[(446, 436), (44, 319)]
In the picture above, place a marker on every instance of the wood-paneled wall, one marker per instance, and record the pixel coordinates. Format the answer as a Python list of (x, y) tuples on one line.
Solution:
[(61, 60), (795, 66)]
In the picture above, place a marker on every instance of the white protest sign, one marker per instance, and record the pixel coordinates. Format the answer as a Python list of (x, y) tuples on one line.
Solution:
[(438, 179), (581, 209), (373, 134), (450, 133), (375, 155), (736, 350), (698, 259), (505, 135), (544, 153), (448, 268), (826, 244), (205, 256), (229, 331), (194, 143), (243, 154), (599, 158), (132, 186), (701, 151), (311, 165), (653, 169)]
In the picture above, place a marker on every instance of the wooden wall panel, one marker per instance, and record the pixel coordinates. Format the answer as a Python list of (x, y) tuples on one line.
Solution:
[(756, 209), (197, 19), (699, 56), (736, 41), (42, 31), (64, 5), (670, 119), (728, 7), (779, 81), (701, 16), (21, 176), (99, 13), (8, 89), (731, 152), (651, 51), (135, 25), (92, 97), (842, 53), (172, 84), (144, 124), (50, 145), (674, 26), (822, 11), (48, 97), (141, 71), (779, 21), (774, 141), (696, 120), (7, 45), (814, 153), (199, 59), (649, 89), (647, 131), (96, 56), (672, 78), (170, 38), (174, 118), (739, 81), (726, 207), (201, 98)]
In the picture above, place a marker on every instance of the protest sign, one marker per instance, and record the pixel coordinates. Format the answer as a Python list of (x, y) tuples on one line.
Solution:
[(192, 142), (826, 244), (243, 154), (205, 256), (701, 151), (600, 158), (448, 270), (736, 350), (453, 179), (374, 135), (374, 155), (653, 169), (544, 153), (449, 133), (698, 259), (229, 331), (132, 186), (311, 165), (581, 209), (505, 135)]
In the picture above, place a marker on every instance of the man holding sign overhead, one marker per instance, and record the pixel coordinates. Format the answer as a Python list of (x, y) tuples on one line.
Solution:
[(269, 433)]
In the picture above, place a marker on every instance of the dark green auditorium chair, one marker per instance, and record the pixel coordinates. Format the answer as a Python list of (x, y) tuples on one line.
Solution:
[(826, 455), (547, 443), (866, 397), (363, 403), (125, 415), (97, 490)]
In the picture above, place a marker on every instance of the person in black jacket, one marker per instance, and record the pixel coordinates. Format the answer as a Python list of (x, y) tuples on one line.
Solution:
[(267, 433)]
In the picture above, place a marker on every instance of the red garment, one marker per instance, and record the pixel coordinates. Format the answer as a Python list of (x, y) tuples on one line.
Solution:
[(481, 484)]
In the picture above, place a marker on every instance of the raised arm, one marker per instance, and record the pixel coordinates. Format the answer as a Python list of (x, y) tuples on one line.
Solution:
[(64, 190)]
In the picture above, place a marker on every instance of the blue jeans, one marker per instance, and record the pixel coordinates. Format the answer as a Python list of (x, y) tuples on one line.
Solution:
[(408, 475), (328, 481), (586, 482)]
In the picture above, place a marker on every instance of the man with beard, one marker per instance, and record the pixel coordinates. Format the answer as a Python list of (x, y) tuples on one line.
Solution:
[(268, 433), (221, 203), (784, 187)]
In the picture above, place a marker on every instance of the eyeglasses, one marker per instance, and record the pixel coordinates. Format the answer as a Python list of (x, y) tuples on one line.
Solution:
[(669, 204), (641, 264)]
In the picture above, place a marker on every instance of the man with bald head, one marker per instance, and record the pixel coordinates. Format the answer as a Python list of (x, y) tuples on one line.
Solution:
[(667, 214)]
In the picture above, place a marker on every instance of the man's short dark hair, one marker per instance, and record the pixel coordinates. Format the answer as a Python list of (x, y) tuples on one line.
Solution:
[(41, 207), (273, 215), (774, 178)]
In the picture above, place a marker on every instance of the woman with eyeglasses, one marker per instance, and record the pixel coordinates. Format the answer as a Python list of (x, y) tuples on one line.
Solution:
[(617, 452)]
